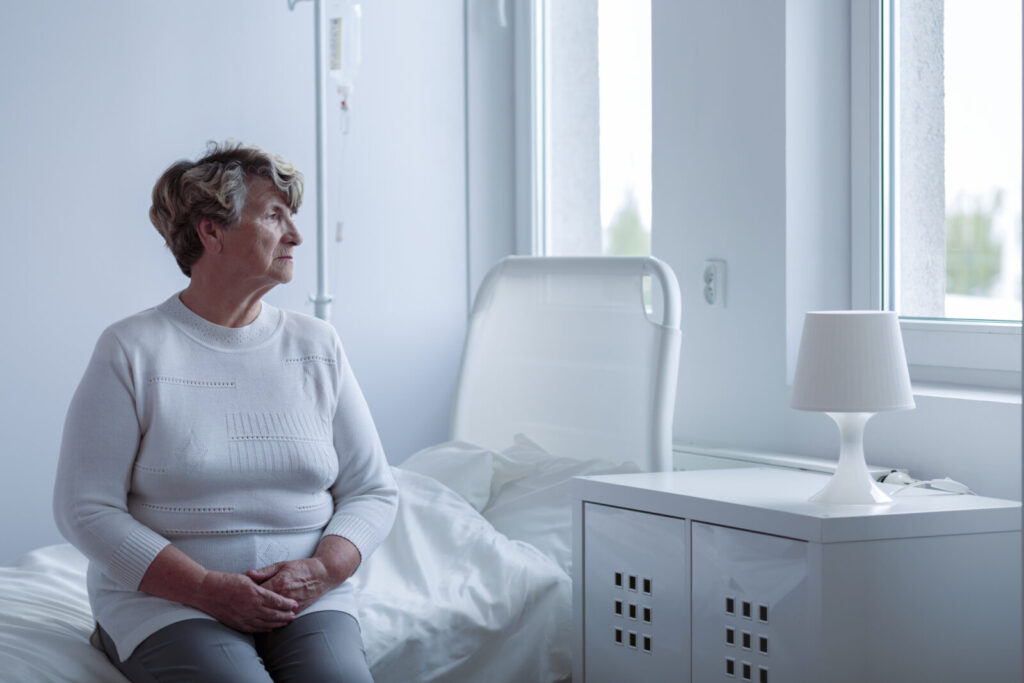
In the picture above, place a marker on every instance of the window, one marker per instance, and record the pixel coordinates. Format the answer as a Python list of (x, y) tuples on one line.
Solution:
[(953, 149), (945, 190), (592, 121)]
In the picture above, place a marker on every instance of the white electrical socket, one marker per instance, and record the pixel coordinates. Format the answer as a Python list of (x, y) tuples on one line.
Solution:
[(713, 283)]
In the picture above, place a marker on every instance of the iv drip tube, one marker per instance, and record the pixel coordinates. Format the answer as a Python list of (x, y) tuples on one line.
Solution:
[(322, 300)]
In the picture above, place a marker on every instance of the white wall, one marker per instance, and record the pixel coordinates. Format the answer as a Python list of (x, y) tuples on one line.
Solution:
[(751, 151), (490, 134), (719, 183), (96, 99)]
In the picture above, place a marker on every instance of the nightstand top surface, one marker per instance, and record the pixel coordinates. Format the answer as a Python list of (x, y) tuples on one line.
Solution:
[(777, 501)]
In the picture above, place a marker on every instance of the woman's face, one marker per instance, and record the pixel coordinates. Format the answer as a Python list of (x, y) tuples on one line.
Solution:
[(260, 248)]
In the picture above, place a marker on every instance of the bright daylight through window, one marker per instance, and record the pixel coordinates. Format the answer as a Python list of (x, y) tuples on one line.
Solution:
[(952, 138), (595, 113)]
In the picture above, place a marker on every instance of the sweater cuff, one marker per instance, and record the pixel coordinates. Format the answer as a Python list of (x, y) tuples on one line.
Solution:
[(129, 563), (362, 534)]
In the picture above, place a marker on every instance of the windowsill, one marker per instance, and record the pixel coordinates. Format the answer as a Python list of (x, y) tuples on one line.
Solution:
[(688, 456), (967, 393)]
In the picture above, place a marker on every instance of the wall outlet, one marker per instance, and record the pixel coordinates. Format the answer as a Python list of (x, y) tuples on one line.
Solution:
[(713, 283)]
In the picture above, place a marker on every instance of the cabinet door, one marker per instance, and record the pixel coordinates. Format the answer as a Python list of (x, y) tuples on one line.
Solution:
[(750, 607), (635, 596)]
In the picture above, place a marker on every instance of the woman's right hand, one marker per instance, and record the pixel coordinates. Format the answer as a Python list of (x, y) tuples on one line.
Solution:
[(237, 601)]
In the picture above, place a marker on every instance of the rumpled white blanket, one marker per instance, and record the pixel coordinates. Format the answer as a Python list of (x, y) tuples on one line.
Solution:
[(448, 598), (445, 598)]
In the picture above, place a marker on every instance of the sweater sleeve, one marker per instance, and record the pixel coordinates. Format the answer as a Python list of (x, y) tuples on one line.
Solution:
[(365, 493), (98, 449)]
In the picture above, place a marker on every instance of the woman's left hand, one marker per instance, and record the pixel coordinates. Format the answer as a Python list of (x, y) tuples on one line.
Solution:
[(304, 581), (301, 580)]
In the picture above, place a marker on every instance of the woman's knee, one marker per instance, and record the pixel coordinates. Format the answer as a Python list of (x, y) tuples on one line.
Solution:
[(321, 646), (197, 651)]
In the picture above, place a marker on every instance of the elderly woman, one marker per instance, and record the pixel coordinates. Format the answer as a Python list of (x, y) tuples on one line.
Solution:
[(219, 466)]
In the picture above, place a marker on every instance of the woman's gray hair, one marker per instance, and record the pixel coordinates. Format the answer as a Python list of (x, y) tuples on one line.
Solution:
[(214, 187)]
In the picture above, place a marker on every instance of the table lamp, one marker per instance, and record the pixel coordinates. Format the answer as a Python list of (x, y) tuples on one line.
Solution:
[(851, 365)]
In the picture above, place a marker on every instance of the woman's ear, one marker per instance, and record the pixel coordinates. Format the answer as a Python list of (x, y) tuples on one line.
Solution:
[(210, 233)]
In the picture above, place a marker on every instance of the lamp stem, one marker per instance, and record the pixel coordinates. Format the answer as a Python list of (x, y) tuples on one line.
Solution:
[(852, 483)]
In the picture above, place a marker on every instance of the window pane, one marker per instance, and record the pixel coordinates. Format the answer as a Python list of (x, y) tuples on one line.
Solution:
[(597, 109), (983, 162), (955, 232)]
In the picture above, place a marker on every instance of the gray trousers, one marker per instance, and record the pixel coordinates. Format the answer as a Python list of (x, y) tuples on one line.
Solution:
[(320, 646)]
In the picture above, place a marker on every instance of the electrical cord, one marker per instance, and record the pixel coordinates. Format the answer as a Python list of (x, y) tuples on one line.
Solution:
[(906, 482)]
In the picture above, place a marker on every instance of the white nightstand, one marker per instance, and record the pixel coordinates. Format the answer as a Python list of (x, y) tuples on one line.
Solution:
[(731, 575)]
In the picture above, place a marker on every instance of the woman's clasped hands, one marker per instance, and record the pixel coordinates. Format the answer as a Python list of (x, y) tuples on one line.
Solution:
[(241, 603), (267, 598)]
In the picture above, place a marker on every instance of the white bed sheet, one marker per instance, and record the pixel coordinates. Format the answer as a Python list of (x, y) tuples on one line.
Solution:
[(45, 620), (445, 598)]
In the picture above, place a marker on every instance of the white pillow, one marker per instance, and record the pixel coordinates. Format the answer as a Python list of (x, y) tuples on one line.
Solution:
[(462, 467), (530, 498)]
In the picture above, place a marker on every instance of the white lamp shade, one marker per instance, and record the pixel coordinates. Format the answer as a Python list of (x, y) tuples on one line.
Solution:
[(851, 362)]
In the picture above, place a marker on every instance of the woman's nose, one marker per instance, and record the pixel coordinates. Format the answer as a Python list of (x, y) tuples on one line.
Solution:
[(293, 235)]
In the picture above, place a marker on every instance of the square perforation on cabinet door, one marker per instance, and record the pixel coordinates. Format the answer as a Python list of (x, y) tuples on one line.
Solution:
[(626, 608), (737, 614), (629, 608)]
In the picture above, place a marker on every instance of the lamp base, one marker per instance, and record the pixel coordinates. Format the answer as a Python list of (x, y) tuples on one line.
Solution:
[(852, 483), (847, 491)]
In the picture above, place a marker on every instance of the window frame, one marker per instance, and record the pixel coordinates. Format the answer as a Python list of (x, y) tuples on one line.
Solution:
[(939, 351), (531, 128)]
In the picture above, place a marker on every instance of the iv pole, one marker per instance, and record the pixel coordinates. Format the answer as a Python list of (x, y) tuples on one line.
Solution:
[(322, 300)]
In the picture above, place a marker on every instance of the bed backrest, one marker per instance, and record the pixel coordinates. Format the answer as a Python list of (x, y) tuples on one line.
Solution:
[(564, 351)]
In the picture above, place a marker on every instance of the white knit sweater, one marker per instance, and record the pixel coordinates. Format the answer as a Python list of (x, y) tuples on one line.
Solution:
[(242, 446)]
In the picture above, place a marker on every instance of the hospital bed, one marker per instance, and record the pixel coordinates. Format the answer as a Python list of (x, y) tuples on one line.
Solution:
[(569, 368)]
